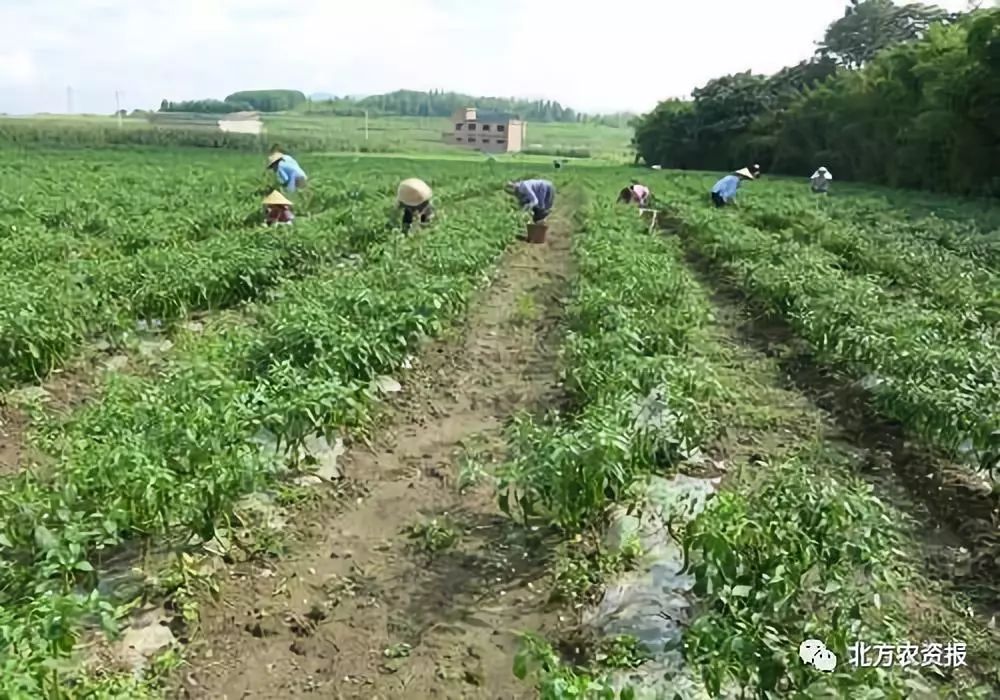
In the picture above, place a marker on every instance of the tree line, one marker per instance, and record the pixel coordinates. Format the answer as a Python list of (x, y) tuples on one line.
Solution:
[(245, 101), (401, 103), (902, 95)]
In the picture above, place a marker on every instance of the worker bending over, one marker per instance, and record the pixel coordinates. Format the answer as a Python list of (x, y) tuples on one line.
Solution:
[(414, 198), (537, 195), (290, 174), (277, 209), (634, 194), (725, 189), (820, 180)]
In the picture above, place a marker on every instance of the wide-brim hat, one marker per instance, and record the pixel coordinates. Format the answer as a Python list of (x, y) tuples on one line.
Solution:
[(274, 158), (276, 198), (745, 173), (413, 192)]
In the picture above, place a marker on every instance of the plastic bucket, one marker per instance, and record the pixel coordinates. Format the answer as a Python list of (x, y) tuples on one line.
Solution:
[(536, 233)]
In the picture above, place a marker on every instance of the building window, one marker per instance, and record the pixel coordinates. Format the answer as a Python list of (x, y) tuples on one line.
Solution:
[(458, 138), (472, 127), (486, 140), (501, 127), (472, 139), (486, 127), (501, 141), (458, 127)]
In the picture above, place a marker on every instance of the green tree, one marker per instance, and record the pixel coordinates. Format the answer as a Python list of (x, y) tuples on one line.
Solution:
[(869, 26)]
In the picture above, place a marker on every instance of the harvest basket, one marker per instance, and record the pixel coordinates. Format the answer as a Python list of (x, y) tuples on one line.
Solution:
[(537, 232)]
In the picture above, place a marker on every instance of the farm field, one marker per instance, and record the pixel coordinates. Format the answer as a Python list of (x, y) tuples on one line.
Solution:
[(399, 135), (248, 462)]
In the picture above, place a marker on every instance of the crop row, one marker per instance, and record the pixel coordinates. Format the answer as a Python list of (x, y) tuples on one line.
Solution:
[(929, 369), (46, 314), (635, 369), (167, 456), (944, 278), (79, 210)]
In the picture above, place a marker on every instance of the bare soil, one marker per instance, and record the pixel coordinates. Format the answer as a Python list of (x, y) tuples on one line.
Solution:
[(362, 610), (787, 401), (65, 390)]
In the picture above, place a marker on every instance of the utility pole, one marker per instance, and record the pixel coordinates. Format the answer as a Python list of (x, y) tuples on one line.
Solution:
[(118, 109)]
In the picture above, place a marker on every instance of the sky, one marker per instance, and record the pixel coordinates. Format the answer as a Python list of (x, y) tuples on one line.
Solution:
[(594, 56)]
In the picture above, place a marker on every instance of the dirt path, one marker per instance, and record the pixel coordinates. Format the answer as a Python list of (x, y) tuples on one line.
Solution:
[(784, 402), (958, 517), (361, 610)]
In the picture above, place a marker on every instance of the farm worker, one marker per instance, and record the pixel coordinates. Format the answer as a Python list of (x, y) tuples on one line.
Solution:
[(289, 173), (536, 195), (636, 193), (820, 180), (414, 198), (277, 209), (724, 190)]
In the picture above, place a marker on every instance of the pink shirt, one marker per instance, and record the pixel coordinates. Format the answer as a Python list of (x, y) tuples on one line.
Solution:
[(641, 192)]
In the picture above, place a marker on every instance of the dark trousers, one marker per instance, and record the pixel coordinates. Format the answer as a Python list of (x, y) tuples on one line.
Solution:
[(424, 212), (539, 215), (717, 200)]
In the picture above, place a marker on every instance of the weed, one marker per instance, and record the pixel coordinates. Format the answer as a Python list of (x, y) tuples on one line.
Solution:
[(433, 536)]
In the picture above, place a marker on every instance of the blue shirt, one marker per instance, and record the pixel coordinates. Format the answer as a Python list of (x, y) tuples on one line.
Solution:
[(726, 187), (536, 194), (287, 171)]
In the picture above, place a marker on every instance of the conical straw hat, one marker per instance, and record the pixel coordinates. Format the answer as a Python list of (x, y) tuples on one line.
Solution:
[(277, 198), (274, 158), (744, 172), (413, 192)]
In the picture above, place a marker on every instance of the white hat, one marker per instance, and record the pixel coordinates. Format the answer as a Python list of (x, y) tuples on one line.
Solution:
[(744, 172), (274, 158), (277, 198), (413, 192)]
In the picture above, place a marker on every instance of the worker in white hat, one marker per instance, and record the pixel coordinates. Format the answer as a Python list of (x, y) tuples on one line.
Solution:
[(277, 209), (289, 173), (820, 180), (414, 198), (724, 191)]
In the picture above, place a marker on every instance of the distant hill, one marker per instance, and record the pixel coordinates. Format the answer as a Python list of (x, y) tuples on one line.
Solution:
[(403, 103), (435, 103)]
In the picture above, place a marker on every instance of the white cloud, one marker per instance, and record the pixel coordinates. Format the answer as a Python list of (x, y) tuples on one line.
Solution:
[(589, 56)]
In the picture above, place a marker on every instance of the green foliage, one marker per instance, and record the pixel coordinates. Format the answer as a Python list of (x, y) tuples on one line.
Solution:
[(434, 535), (267, 100), (634, 373), (869, 26), (921, 113), (932, 363), (166, 455), (556, 680), (436, 103), (207, 106), (794, 554)]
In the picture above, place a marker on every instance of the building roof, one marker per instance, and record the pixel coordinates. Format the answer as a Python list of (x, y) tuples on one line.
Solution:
[(494, 117)]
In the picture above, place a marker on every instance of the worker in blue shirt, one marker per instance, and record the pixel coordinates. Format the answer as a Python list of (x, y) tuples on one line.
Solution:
[(725, 189), (289, 173), (537, 195)]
